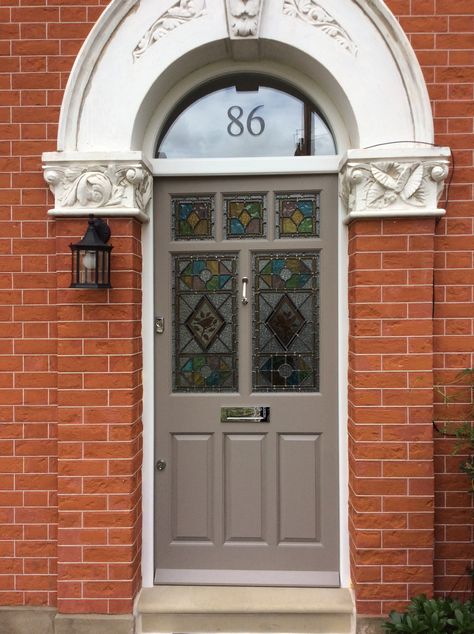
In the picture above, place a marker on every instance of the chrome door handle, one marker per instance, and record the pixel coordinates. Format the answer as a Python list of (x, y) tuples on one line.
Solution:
[(161, 465), (245, 281)]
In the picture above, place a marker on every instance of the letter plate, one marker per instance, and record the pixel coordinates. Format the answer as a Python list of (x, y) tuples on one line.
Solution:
[(245, 414)]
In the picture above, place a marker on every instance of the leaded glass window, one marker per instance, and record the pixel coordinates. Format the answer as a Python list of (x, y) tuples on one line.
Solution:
[(297, 215), (244, 215), (192, 217), (205, 318), (286, 322)]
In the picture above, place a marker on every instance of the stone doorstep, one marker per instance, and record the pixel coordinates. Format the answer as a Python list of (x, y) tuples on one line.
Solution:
[(233, 609)]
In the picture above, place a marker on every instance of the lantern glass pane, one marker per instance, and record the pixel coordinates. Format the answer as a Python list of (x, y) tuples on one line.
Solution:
[(100, 267), (87, 267)]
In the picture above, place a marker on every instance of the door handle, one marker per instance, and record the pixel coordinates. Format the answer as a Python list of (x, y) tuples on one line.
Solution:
[(245, 281), (161, 465)]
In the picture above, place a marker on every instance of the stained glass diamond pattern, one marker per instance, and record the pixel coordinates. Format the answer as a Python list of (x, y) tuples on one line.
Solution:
[(297, 215), (205, 323), (205, 316), (285, 321)]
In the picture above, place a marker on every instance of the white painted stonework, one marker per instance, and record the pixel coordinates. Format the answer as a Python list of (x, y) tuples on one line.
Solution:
[(377, 183), (353, 52), (100, 184)]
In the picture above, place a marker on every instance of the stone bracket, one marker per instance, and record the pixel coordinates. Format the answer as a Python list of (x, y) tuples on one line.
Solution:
[(393, 182), (106, 184)]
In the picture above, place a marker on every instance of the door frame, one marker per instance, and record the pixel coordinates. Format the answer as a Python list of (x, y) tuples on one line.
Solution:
[(231, 167)]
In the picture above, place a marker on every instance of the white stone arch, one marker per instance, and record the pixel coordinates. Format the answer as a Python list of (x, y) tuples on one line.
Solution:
[(369, 70), (352, 57)]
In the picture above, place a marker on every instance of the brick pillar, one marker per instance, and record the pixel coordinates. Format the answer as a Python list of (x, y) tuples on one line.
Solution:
[(390, 411), (99, 428)]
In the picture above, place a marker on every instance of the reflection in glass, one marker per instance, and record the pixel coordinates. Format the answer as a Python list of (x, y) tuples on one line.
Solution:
[(260, 121)]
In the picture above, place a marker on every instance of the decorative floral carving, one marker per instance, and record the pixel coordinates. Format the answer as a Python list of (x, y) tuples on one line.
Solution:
[(144, 183), (391, 184), (95, 186), (179, 13), (91, 187), (389, 181), (244, 17), (310, 11)]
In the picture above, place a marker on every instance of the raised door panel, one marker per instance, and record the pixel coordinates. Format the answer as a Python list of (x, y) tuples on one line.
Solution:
[(244, 504), (299, 488), (192, 487)]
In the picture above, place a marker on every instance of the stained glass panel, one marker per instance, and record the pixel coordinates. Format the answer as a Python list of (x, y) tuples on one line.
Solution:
[(297, 215), (286, 322), (193, 217), (205, 323), (244, 216)]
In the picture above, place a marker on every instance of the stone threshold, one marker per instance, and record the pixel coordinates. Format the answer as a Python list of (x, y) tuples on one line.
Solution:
[(236, 609)]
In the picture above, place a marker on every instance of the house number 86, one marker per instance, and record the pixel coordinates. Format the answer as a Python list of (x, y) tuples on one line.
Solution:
[(255, 124)]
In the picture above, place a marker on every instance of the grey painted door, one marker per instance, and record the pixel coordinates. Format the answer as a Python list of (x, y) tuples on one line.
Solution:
[(241, 499)]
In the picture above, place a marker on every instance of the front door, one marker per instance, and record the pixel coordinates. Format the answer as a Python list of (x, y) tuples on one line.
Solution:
[(246, 484)]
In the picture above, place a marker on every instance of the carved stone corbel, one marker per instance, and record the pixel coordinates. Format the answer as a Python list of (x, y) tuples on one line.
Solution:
[(403, 182), (108, 185)]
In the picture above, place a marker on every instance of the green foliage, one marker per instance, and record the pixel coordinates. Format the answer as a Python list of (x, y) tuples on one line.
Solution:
[(464, 433), (433, 616)]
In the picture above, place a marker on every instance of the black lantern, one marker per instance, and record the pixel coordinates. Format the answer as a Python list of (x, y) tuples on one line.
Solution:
[(91, 256)]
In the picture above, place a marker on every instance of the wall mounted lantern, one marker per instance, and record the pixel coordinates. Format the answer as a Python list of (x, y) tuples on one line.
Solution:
[(91, 256)]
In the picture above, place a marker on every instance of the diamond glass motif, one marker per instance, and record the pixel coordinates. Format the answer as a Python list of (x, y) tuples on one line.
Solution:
[(193, 217), (286, 322), (297, 215), (205, 318), (205, 323), (244, 216)]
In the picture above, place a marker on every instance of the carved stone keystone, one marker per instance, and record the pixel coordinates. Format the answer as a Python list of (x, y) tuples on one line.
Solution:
[(243, 17)]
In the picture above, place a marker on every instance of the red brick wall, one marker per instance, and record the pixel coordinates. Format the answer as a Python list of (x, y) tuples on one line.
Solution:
[(442, 34), (390, 411), (99, 428), (39, 41), (98, 560)]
